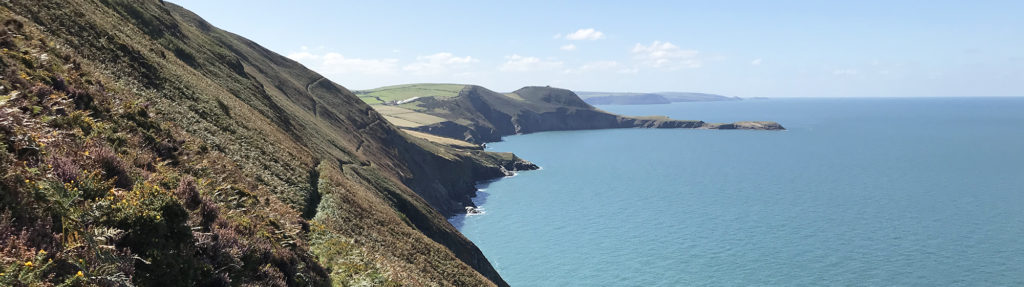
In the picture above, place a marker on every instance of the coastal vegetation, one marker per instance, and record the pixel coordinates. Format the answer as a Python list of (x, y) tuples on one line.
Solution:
[(139, 145)]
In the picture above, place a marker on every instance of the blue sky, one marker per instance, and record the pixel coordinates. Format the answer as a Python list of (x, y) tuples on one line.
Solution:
[(735, 48)]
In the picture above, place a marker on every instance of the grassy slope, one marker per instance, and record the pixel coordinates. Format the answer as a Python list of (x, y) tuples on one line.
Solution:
[(406, 117), (443, 140), (138, 126)]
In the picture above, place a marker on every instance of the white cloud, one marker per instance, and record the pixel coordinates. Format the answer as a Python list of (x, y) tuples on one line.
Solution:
[(599, 66), (302, 56), (569, 47), (585, 34), (517, 63), (632, 70), (756, 62), (335, 63), (438, 63), (594, 67), (666, 55), (845, 72)]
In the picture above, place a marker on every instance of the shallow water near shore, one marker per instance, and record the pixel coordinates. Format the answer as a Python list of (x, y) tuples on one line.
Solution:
[(921, 192)]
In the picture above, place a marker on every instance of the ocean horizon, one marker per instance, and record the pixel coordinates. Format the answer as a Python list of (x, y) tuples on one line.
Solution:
[(857, 192)]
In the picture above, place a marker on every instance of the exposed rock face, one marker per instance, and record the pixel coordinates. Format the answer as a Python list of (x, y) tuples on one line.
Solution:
[(479, 115)]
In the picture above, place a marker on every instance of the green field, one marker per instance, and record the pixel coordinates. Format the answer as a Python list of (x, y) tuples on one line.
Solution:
[(401, 92)]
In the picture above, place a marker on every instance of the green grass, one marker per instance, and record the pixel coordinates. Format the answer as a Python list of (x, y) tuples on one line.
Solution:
[(402, 92)]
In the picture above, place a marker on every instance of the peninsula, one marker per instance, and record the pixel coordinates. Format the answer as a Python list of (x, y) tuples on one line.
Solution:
[(477, 115), (659, 98)]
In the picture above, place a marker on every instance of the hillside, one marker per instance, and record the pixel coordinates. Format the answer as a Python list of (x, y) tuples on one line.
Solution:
[(477, 115), (606, 98), (143, 146)]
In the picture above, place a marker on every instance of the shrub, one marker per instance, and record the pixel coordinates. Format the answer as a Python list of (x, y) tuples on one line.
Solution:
[(208, 212), (64, 168), (60, 84), (15, 77), (156, 229), (21, 241), (188, 193), (113, 167), (76, 119), (6, 39), (41, 92), (32, 272), (92, 185)]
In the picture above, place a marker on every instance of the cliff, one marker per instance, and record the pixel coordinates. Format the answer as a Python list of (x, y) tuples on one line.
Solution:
[(478, 115), (140, 145)]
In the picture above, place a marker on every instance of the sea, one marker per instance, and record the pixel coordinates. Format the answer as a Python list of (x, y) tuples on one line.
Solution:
[(856, 192)]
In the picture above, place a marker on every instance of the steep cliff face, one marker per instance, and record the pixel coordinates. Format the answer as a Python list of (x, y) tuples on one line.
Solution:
[(134, 129), (479, 115)]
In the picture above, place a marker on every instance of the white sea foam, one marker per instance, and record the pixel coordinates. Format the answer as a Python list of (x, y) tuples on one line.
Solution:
[(471, 211)]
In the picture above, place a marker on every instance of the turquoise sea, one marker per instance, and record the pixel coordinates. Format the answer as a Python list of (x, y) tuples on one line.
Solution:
[(858, 192)]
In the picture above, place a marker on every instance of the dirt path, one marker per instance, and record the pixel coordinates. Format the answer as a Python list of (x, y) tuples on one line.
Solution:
[(309, 91)]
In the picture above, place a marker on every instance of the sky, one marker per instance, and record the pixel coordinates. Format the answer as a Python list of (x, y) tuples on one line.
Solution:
[(734, 48)]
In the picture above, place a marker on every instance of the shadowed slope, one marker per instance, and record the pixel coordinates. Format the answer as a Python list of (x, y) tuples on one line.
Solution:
[(312, 185)]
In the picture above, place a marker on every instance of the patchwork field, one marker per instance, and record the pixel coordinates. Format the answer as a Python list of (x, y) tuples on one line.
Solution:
[(397, 93)]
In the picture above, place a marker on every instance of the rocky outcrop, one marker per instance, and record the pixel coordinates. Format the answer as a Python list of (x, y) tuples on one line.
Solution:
[(746, 126)]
